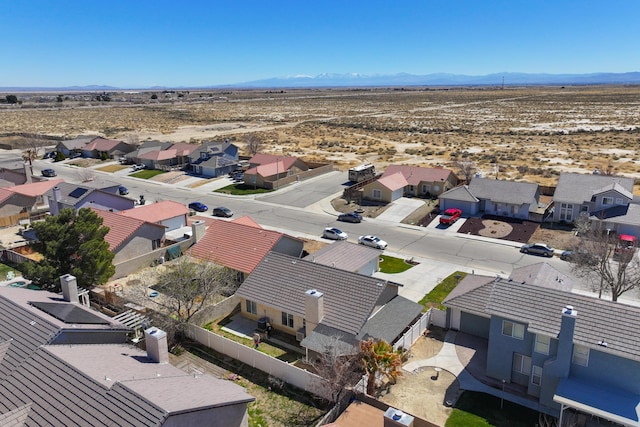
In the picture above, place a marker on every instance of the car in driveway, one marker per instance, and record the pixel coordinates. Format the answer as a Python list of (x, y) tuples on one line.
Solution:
[(350, 217), (50, 155), (537, 249), (450, 216), (334, 233), (49, 173), (222, 212), (138, 167), (122, 190), (198, 207), (372, 241)]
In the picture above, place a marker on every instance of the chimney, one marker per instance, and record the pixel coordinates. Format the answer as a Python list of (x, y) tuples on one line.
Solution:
[(396, 418), (69, 287), (197, 230), (565, 339), (54, 206), (313, 309), (157, 347)]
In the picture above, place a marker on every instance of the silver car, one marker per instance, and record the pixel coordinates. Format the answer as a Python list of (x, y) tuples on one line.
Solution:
[(537, 249), (334, 234), (372, 241)]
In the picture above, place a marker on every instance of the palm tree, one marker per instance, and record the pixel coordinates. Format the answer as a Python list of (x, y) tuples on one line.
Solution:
[(379, 357), (29, 155)]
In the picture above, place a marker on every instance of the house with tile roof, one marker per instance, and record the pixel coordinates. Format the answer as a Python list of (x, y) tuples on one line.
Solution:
[(266, 169), (241, 244), (320, 304), (607, 200), (167, 213), (554, 348), (512, 199), (20, 202), (166, 157), (72, 146), (62, 363), (404, 180), (213, 159), (100, 147), (67, 195), (348, 256), (129, 238)]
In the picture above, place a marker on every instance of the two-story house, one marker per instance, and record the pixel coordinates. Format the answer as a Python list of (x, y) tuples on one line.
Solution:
[(213, 159)]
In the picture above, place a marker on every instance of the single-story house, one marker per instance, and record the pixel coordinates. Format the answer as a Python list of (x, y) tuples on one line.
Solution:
[(213, 159), (560, 349), (266, 169), (348, 256), (416, 181), (75, 145), (175, 155), (512, 199), (242, 243), (169, 214), (607, 200), (106, 148), (321, 305), (20, 202), (62, 363), (67, 195)]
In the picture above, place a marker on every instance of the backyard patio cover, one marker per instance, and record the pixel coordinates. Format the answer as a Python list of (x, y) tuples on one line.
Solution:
[(604, 401)]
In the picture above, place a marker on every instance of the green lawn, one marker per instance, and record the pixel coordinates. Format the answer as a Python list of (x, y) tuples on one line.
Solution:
[(440, 292), (4, 269), (391, 265), (241, 190), (146, 174), (479, 410)]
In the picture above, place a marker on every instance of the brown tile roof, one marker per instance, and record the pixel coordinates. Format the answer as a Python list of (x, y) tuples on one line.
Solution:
[(415, 174), (235, 244), (157, 212), (360, 414), (280, 281), (393, 181), (120, 227), (159, 154), (36, 188), (101, 144)]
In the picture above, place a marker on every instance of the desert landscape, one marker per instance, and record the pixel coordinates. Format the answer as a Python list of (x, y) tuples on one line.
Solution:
[(521, 133)]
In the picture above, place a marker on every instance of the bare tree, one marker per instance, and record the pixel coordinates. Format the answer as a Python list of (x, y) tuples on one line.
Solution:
[(612, 268), (253, 143), (340, 369), (467, 169)]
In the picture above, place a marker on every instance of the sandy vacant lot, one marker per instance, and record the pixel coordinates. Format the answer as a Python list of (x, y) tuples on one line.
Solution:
[(517, 133)]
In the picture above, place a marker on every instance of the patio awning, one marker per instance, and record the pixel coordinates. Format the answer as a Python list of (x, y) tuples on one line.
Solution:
[(608, 402)]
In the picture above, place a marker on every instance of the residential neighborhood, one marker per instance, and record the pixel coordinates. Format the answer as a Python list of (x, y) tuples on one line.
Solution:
[(522, 329)]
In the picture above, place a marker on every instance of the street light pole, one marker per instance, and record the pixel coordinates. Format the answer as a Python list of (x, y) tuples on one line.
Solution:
[(502, 395)]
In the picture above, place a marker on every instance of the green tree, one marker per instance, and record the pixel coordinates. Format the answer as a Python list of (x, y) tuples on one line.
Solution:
[(379, 357), (71, 243)]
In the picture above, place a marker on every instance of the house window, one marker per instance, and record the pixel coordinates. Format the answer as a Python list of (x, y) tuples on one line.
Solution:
[(511, 329), (155, 244), (542, 344), (580, 355), (619, 201), (566, 212), (425, 188), (251, 307), (536, 375), (514, 210), (521, 364), (584, 208), (287, 319), (606, 201), (376, 194)]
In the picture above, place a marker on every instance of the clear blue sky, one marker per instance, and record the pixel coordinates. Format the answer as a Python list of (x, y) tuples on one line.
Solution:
[(141, 43)]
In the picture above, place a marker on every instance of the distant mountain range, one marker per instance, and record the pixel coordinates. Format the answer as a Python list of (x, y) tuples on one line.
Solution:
[(382, 80)]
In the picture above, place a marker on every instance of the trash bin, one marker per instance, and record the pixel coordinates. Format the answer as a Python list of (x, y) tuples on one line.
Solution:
[(262, 323)]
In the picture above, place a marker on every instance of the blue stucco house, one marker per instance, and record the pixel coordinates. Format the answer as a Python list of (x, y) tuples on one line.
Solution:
[(558, 349)]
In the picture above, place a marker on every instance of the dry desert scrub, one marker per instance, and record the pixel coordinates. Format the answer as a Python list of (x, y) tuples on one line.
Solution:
[(515, 133)]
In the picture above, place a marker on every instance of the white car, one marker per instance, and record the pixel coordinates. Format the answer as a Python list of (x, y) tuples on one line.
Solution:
[(334, 234), (373, 241)]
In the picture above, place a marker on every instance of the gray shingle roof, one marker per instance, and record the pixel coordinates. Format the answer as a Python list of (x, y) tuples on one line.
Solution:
[(280, 281), (389, 322), (461, 193), (344, 255), (501, 191), (628, 215), (542, 274), (579, 188), (541, 308)]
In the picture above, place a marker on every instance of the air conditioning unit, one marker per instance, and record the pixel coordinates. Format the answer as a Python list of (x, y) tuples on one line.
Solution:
[(300, 335)]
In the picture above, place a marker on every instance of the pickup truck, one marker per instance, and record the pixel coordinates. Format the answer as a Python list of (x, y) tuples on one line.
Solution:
[(450, 216)]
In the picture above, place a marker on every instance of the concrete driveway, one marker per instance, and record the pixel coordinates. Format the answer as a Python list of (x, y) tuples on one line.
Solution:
[(400, 209)]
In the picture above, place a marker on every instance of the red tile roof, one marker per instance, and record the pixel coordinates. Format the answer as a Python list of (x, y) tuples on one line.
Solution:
[(185, 148), (35, 188), (5, 194), (415, 174), (120, 227), (394, 181), (247, 220), (159, 154), (268, 169), (156, 212), (235, 244), (101, 144)]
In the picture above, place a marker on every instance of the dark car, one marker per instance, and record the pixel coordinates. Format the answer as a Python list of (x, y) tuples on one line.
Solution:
[(222, 211), (122, 190), (198, 207), (50, 155), (49, 173), (537, 249), (350, 217)]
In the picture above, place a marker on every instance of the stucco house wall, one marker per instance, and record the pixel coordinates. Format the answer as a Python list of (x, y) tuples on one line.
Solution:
[(141, 242)]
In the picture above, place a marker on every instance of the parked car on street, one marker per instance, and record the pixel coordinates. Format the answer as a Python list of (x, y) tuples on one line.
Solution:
[(50, 155), (49, 173), (334, 234), (372, 241), (222, 212), (122, 190), (350, 217), (537, 249), (450, 216), (198, 207)]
